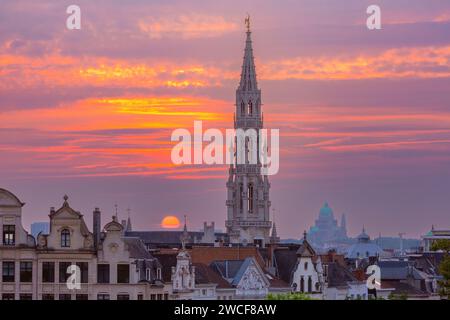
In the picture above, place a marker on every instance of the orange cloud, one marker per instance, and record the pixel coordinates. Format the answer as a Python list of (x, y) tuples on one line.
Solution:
[(427, 62)]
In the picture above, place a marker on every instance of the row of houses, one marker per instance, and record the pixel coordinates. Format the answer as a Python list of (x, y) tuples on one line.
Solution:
[(114, 262)]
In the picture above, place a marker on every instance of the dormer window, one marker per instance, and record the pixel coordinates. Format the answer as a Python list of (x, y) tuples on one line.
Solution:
[(158, 274), (306, 265), (147, 274), (65, 238), (9, 235)]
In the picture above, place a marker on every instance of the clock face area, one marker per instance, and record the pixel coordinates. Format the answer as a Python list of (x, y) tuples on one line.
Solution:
[(249, 123)]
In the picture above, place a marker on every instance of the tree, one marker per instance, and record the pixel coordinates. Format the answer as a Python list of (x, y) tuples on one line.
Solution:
[(444, 266), (289, 296)]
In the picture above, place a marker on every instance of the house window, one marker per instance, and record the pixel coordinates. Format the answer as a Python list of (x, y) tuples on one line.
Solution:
[(123, 297), (8, 296), (159, 296), (103, 296), (153, 296), (48, 272), (103, 273), (8, 271), (140, 296), (65, 297), (250, 198), (147, 274), (26, 271), (309, 284), (123, 273), (9, 235), (63, 275), (306, 265), (81, 297), (302, 284), (204, 292), (84, 270), (317, 287), (65, 238), (26, 296), (158, 274), (166, 296), (48, 297)]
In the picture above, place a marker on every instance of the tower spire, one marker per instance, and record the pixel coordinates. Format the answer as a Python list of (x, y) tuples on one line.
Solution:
[(248, 74)]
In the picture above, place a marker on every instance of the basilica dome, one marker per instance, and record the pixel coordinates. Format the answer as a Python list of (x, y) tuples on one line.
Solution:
[(326, 212)]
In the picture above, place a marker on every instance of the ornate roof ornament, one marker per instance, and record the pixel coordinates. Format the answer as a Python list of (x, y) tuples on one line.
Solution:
[(247, 22)]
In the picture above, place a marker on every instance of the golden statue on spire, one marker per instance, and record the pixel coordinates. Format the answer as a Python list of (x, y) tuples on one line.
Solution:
[(247, 22)]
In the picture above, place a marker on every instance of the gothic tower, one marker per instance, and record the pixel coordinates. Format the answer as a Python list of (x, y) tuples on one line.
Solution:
[(248, 203)]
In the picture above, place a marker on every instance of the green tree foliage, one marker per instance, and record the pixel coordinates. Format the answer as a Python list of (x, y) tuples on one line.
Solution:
[(289, 296), (444, 267)]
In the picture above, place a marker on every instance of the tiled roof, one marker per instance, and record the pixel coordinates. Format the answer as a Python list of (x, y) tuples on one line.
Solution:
[(285, 261), (339, 276), (402, 288), (206, 274), (207, 255), (167, 261), (168, 237), (393, 270), (137, 248)]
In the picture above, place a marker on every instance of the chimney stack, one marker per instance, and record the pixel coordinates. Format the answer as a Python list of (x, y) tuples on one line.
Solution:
[(96, 226)]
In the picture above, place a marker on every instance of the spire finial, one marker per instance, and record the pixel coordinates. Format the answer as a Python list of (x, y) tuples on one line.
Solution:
[(247, 22), (66, 197), (116, 210)]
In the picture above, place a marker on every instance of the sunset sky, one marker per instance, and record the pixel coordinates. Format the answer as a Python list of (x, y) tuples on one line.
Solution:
[(364, 116)]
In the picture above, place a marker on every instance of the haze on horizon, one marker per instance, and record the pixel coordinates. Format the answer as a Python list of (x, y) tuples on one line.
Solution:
[(364, 116)]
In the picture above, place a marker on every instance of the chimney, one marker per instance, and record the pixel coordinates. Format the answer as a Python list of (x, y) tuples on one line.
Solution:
[(96, 227)]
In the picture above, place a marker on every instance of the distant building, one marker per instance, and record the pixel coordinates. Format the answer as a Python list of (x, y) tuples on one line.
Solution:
[(364, 248), (433, 235), (326, 232), (38, 227)]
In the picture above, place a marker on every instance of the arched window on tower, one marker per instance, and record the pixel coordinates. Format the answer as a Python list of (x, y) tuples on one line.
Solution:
[(242, 108), (250, 198), (250, 108)]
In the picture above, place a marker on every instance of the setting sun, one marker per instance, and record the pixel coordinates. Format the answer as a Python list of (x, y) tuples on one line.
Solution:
[(170, 222)]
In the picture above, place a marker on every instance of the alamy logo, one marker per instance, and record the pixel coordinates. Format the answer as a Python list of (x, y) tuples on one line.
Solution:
[(74, 280), (374, 279), (249, 146), (73, 22), (374, 20)]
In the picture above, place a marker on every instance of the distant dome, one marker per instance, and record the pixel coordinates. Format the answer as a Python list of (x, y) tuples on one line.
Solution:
[(326, 211), (363, 236)]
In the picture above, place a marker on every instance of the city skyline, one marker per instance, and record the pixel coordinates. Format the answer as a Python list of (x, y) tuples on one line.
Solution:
[(363, 115)]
